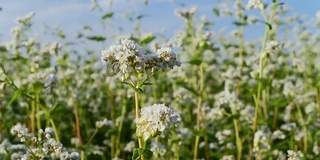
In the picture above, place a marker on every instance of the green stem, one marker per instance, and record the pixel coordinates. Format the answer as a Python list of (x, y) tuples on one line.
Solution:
[(196, 144), (275, 117), (238, 139), (261, 65), (83, 157), (55, 130), (305, 131), (318, 99), (123, 113), (154, 89), (136, 99), (175, 145), (38, 112), (92, 136), (76, 114), (195, 151), (32, 117)]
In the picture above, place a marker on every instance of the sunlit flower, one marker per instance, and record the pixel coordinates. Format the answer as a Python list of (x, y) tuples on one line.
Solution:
[(129, 57), (255, 4), (185, 13), (154, 120)]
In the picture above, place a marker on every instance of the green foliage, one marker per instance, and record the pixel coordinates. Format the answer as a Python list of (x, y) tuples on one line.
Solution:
[(225, 80)]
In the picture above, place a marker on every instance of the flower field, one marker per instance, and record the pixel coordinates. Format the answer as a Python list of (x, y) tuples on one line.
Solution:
[(201, 93)]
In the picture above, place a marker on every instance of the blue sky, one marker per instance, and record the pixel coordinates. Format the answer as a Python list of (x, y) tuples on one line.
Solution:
[(72, 14)]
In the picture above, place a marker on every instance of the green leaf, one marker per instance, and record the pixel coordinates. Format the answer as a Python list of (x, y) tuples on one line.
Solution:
[(61, 35), (235, 116), (195, 62), (37, 87), (15, 96), (201, 133), (216, 11), (239, 23), (147, 83), (137, 153), (190, 89), (129, 84), (268, 24), (56, 109), (96, 38), (147, 40), (318, 83), (107, 15), (140, 16)]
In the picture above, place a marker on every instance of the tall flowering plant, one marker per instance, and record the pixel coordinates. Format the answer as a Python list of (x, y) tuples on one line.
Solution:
[(137, 66)]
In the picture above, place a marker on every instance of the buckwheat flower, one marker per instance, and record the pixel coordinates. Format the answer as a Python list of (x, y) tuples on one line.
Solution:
[(167, 58), (186, 14), (298, 135), (182, 93), (316, 149), (223, 135), (154, 120), (55, 47), (310, 108), (278, 135), (292, 155), (130, 146), (2, 78), (51, 78), (30, 42), (272, 47), (72, 155), (255, 4), (279, 154), (318, 15), (287, 112), (289, 126), (21, 132), (125, 57), (299, 64), (75, 141), (260, 142), (158, 149), (26, 19), (16, 33), (104, 122), (228, 157), (289, 89)]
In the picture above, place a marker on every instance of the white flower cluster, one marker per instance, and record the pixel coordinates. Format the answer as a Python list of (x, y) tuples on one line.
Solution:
[(46, 147), (26, 19), (272, 47), (21, 132), (278, 135), (104, 122), (154, 120), (158, 149), (2, 77), (129, 57), (255, 4), (260, 142), (223, 135), (185, 13), (292, 155), (229, 99)]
